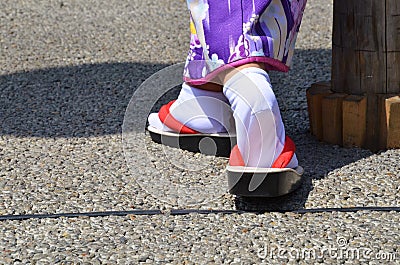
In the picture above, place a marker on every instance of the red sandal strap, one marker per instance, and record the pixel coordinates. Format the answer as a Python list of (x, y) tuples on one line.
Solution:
[(166, 118), (287, 153), (236, 159)]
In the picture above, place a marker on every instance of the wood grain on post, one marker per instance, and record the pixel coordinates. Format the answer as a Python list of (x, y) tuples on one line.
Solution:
[(314, 100), (392, 26), (384, 117), (366, 62), (374, 117), (393, 72), (358, 58), (332, 118), (351, 82), (354, 121), (393, 45), (392, 107)]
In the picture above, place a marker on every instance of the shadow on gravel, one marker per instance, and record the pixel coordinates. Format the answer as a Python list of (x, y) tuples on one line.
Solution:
[(78, 101)]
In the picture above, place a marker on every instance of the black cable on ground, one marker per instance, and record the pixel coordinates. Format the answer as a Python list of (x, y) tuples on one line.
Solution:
[(74, 215), (189, 211)]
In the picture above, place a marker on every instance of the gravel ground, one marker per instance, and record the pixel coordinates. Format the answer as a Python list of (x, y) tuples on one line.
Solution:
[(68, 71)]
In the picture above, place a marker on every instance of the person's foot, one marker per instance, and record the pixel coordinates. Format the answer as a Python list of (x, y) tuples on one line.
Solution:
[(287, 159), (179, 136), (155, 122)]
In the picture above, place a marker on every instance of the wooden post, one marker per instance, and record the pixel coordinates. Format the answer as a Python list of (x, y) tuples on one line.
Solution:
[(392, 110), (314, 100), (393, 45), (332, 116), (365, 66), (354, 121)]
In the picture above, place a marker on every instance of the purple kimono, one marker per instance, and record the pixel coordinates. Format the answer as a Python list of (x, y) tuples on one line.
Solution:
[(229, 33)]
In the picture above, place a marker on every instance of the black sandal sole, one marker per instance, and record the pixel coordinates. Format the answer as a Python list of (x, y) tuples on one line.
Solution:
[(263, 182), (208, 144)]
